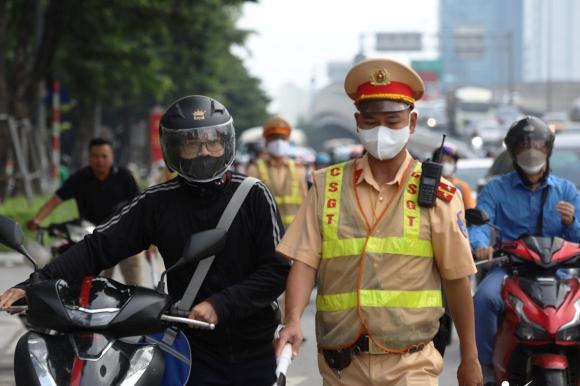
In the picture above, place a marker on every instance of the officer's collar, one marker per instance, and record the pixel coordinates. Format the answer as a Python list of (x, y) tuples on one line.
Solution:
[(364, 172)]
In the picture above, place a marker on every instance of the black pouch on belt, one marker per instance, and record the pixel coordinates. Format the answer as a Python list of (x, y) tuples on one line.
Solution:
[(338, 359)]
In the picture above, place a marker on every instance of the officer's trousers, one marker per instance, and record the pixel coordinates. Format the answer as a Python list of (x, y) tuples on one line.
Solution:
[(417, 369), (488, 306), (131, 270)]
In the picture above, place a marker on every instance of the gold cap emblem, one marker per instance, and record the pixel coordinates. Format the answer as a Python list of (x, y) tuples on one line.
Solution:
[(198, 115), (380, 76)]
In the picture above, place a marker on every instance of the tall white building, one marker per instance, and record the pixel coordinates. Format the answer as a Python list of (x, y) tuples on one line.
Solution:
[(551, 40)]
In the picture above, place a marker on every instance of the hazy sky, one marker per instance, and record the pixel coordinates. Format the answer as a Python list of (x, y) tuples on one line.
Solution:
[(295, 39)]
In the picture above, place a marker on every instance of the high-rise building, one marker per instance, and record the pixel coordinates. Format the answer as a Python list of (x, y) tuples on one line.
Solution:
[(552, 40), (481, 42)]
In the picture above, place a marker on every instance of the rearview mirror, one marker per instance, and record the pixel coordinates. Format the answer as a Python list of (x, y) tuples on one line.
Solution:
[(476, 216), (11, 235), (201, 245)]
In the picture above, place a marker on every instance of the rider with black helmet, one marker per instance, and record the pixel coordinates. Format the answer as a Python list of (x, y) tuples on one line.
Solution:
[(198, 139), (245, 279), (529, 142), (527, 201)]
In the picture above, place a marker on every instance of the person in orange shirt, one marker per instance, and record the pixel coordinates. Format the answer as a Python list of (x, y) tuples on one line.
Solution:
[(285, 177), (449, 158), (382, 259)]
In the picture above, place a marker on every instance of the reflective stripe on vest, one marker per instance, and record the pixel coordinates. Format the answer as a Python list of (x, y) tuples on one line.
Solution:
[(375, 298), (294, 197), (408, 245)]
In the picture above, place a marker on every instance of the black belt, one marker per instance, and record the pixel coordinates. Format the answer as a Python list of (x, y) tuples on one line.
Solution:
[(341, 358), (364, 343)]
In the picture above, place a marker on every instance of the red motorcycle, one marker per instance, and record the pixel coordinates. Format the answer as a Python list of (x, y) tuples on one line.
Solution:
[(538, 341)]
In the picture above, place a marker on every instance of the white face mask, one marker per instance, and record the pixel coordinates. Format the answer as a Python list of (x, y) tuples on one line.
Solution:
[(531, 161), (279, 147), (448, 169), (382, 142)]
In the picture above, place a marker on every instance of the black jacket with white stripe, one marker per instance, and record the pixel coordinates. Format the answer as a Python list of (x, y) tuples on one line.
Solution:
[(244, 280)]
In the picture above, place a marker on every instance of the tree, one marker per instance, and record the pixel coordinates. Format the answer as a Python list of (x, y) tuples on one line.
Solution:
[(124, 56), (131, 55), (25, 58)]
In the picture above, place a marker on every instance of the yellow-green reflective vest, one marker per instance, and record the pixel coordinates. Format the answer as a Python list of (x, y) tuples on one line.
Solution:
[(289, 198), (385, 283)]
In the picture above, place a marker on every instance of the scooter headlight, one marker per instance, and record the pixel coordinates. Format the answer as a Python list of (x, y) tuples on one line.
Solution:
[(527, 329), (571, 330)]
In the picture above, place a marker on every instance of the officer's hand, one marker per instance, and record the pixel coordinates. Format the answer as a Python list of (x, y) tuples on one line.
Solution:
[(32, 224), (566, 211), (205, 312), (10, 297), (291, 333), (469, 373), (485, 253)]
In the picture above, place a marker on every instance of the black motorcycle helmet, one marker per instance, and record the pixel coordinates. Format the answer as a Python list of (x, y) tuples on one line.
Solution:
[(527, 132), (197, 138)]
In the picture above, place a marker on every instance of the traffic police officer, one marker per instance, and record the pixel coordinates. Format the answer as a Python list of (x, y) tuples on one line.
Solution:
[(285, 178), (381, 257)]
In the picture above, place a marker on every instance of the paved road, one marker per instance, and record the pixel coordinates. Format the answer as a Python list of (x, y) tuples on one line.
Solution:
[(303, 372)]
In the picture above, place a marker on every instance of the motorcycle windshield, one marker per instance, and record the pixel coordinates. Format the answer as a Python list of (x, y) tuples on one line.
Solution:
[(95, 302), (546, 291), (95, 294)]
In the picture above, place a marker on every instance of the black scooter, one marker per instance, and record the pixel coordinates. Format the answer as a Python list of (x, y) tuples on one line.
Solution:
[(84, 334)]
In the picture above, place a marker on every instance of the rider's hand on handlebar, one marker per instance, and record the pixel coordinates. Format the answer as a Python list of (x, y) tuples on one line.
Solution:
[(566, 211), (32, 224), (485, 253), (205, 312), (291, 333), (10, 297)]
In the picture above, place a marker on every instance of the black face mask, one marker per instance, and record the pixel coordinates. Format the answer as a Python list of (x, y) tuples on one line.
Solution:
[(202, 168)]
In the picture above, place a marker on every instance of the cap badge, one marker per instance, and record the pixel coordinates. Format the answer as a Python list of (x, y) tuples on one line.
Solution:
[(198, 115), (380, 77)]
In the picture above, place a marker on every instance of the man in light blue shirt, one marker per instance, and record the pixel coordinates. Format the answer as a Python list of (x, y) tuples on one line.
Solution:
[(527, 201)]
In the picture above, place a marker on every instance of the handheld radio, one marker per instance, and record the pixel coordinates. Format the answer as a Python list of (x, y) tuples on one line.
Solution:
[(430, 177)]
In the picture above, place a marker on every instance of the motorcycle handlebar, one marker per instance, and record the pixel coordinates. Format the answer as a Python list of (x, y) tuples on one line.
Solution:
[(164, 317), (192, 322), (498, 259), (16, 309)]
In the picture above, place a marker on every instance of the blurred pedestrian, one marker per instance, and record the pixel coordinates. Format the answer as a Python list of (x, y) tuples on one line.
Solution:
[(322, 160), (449, 157), (99, 189), (285, 177)]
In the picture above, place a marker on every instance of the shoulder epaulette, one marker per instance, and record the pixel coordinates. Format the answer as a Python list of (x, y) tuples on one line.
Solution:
[(446, 191)]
